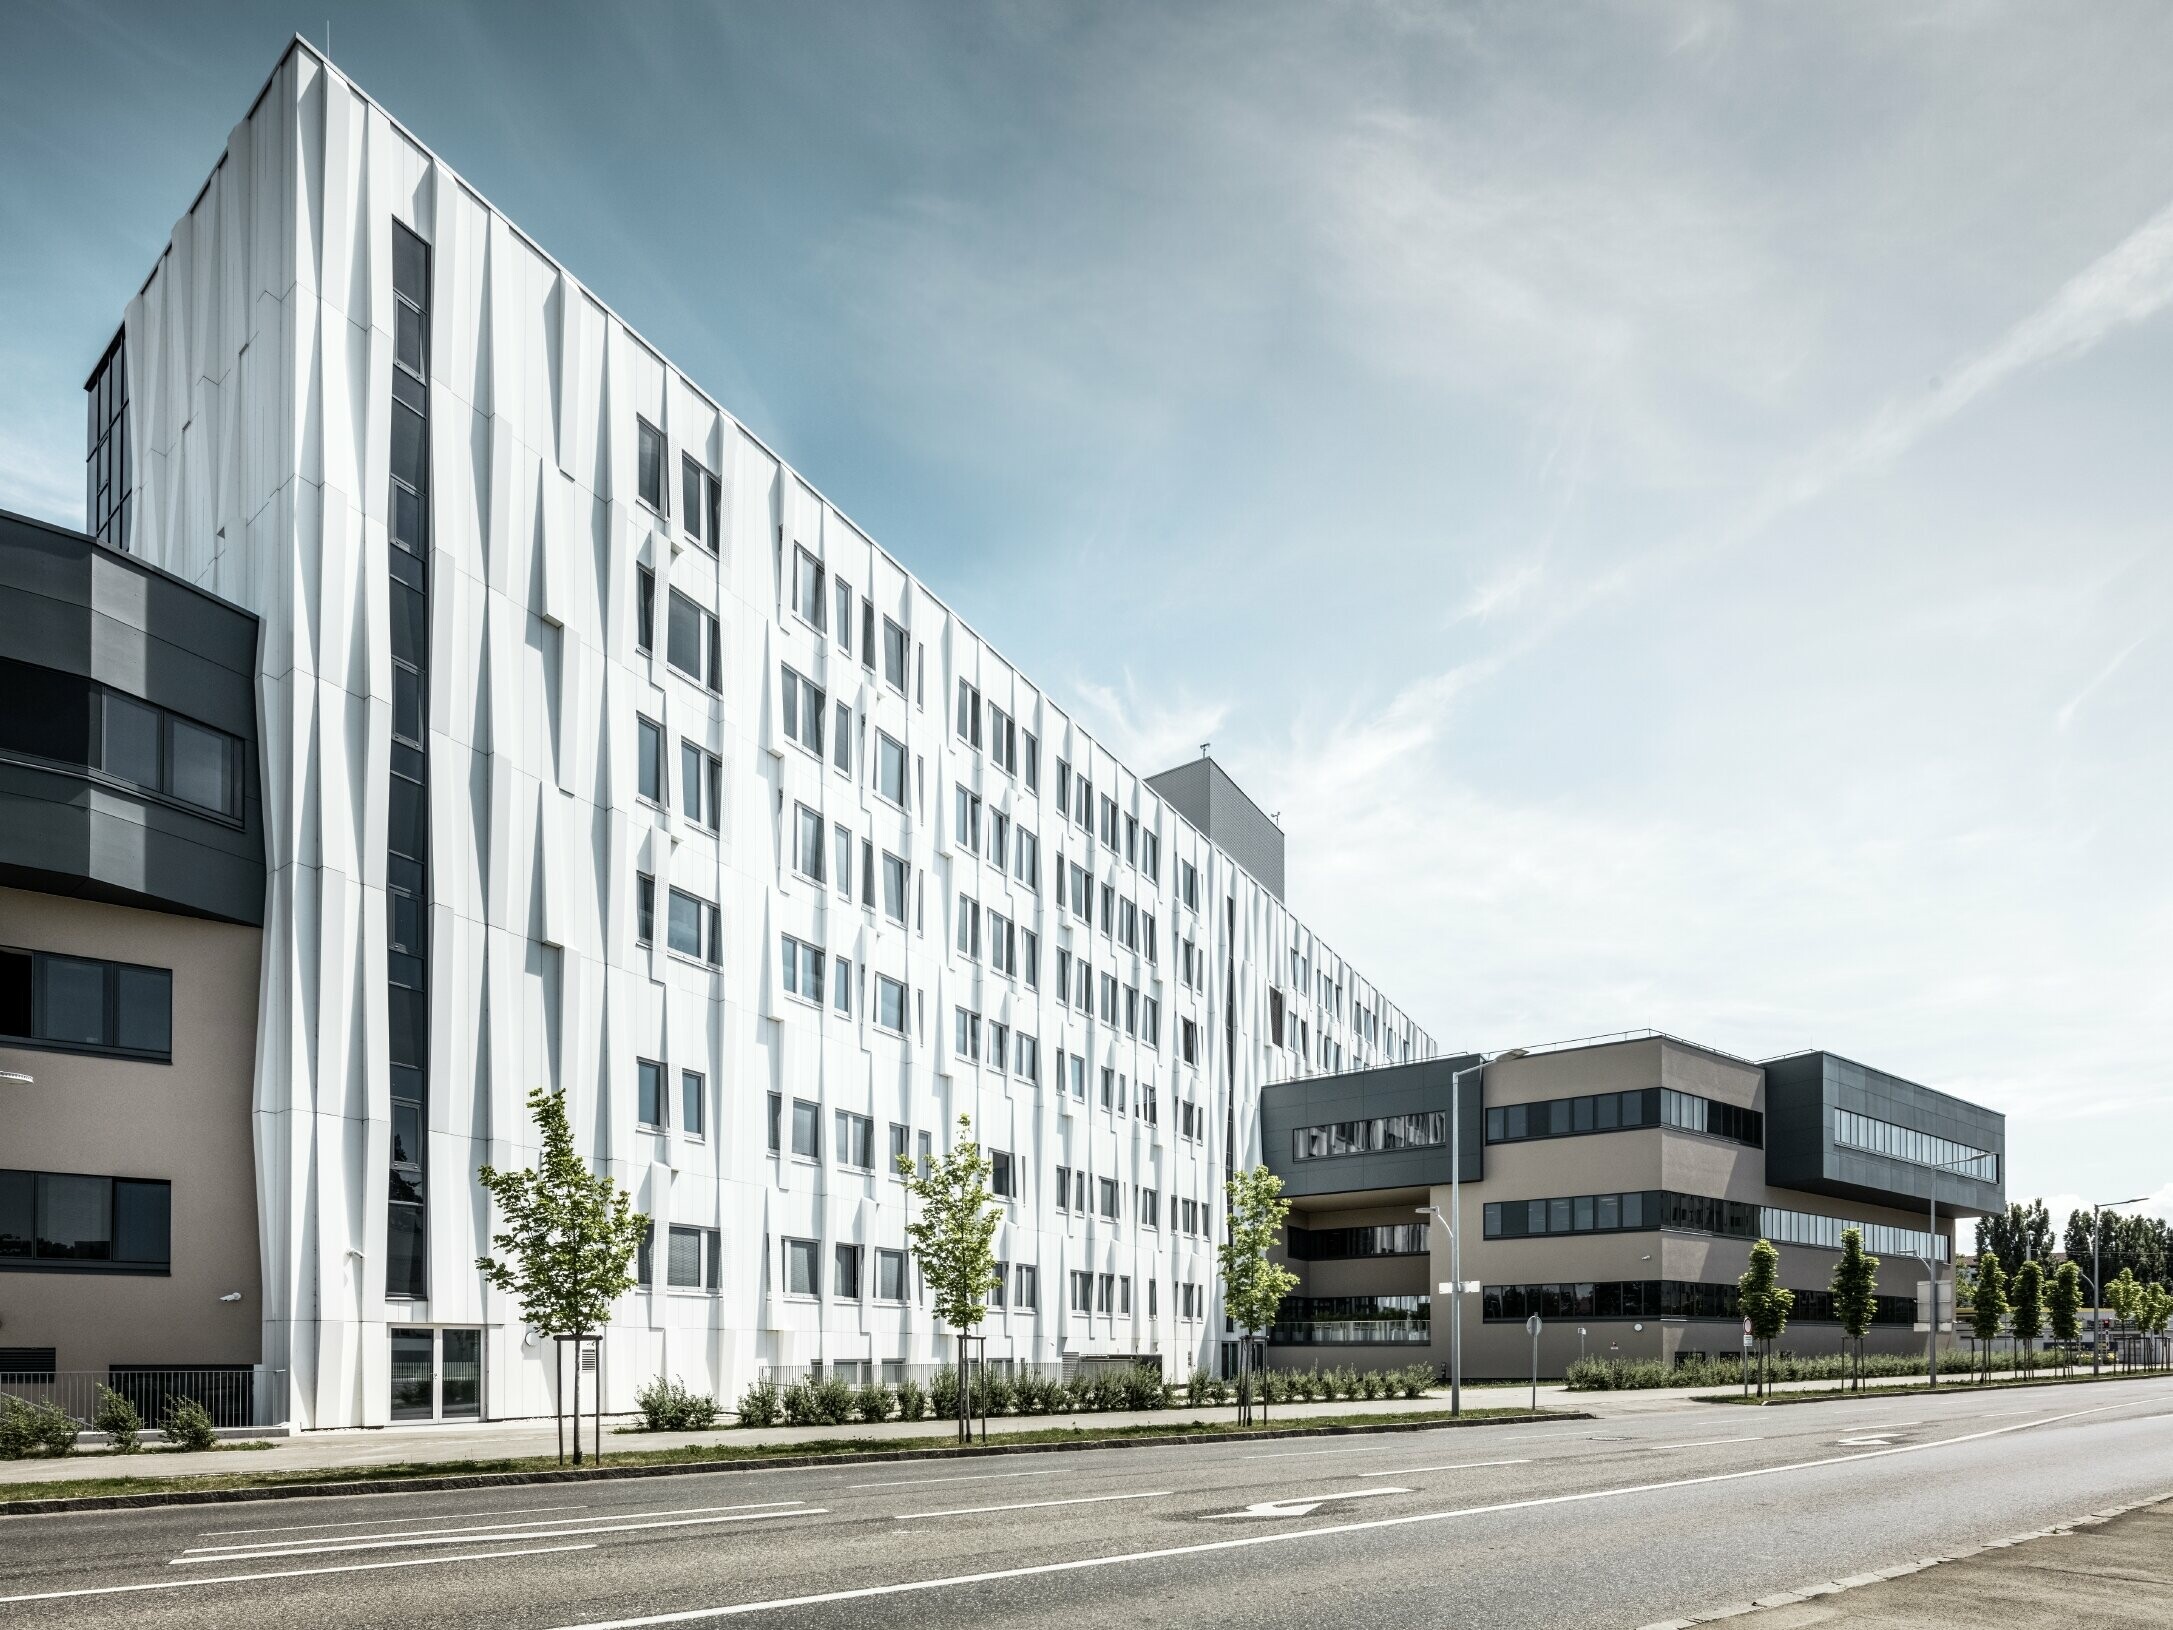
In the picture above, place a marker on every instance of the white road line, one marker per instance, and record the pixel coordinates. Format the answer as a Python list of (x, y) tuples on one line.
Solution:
[(1029, 1505), (920, 1482), (332, 1541), (349, 1548), (1291, 1536), (1459, 1466), (1300, 1454), (1701, 1443), (288, 1573), (378, 1522)]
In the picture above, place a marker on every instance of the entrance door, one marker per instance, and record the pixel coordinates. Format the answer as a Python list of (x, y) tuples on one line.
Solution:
[(437, 1375)]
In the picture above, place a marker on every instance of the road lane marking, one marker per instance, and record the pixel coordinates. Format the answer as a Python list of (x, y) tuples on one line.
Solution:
[(1704, 1443), (1287, 1537), (1300, 1454), (288, 1573), (381, 1522), (1459, 1466), (1029, 1505), (1298, 1507), (333, 1541), (920, 1482), (349, 1548)]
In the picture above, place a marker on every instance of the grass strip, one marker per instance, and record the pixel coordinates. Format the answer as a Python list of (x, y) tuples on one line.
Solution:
[(1960, 1385), (92, 1493)]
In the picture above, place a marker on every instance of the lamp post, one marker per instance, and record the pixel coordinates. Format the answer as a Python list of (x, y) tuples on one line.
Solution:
[(2097, 1292), (1931, 1265), (1456, 1232)]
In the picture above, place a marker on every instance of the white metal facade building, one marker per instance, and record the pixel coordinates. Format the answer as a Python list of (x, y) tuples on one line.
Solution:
[(542, 623)]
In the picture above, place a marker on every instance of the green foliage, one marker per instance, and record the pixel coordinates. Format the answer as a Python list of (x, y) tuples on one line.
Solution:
[(833, 1401), (943, 1393), (570, 1234), (799, 1404), (760, 1404), (912, 1400), (1760, 1295), (117, 1418), (954, 1232), (2027, 1313), (188, 1425), (2121, 1296), (2063, 1306), (28, 1428), (668, 1405), (1143, 1388), (1988, 1299), (1416, 1380), (1596, 1374), (1253, 1287), (2022, 1233), (1196, 1385), (875, 1403), (1855, 1285)]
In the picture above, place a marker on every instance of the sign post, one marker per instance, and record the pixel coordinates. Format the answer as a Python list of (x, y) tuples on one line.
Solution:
[(1744, 1366), (1532, 1327)]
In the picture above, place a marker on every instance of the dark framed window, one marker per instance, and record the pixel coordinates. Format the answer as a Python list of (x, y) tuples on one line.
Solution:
[(649, 466), (78, 1004), (693, 643), (649, 1095), (76, 1222), (106, 470), (644, 609), (700, 511)]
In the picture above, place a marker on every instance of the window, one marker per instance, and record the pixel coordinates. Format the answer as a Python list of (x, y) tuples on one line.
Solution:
[(1348, 1244), (890, 768), (1030, 958), (806, 1129), (843, 592), (76, 1004), (855, 1140), (777, 1116), (1855, 1131), (969, 714), (702, 507), (894, 656), (841, 854), (841, 740), (807, 857), (1425, 1130), (889, 1003), (649, 759), (693, 1258), (1082, 1292), (694, 929), (701, 785), (1027, 1053), (1027, 1291), (1150, 1208), (1150, 1022), (649, 1099), (894, 875), (966, 1033), (1188, 877), (999, 838), (70, 1222), (1189, 1048), (803, 967), (803, 708), (841, 988), (693, 1102), (803, 1267), (644, 909), (1076, 1076), (692, 643), (644, 609), (966, 820), (1003, 1174), (807, 588), (106, 469), (1003, 740), (1105, 1286), (649, 465), (867, 634), (1026, 860), (890, 1280), (1150, 855), (1108, 1197)]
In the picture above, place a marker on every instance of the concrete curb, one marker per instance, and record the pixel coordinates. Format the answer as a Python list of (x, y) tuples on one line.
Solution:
[(1834, 1587), (683, 1468)]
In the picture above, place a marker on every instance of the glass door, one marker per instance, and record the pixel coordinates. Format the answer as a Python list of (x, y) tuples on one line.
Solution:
[(437, 1375)]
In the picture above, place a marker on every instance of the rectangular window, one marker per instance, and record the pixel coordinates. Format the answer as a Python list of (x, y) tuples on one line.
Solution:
[(76, 1004), (649, 759), (890, 768), (803, 710), (1027, 1292), (803, 1267), (1082, 1292), (841, 740), (803, 969), (806, 1129), (701, 785), (692, 644), (843, 592), (894, 875), (889, 1004), (894, 643), (777, 1117), (702, 505), (644, 909), (966, 820), (966, 1033), (841, 987), (1108, 1197), (1003, 1178), (867, 635), (649, 465), (644, 609), (890, 1279), (969, 714), (694, 929), (692, 1258), (807, 857), (841, 856), (855, 1140), (807, 584), (1026, 860), (72, 1222), (649, 1100), (693, 1102), (1027, 1051)]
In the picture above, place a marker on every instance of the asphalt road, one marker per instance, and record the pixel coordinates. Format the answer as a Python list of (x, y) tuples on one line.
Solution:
[(1607, 1523)]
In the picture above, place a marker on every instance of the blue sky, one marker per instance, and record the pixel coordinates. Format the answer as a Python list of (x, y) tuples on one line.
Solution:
[(1671, 503)]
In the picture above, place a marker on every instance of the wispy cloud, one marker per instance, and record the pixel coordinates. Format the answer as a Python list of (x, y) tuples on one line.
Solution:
[(2066, 715)]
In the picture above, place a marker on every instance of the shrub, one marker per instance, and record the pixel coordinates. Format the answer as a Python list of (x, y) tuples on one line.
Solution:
[(188, 1425), (760, 1404), (799, 1403), (117, 1418), (912, 1401), (34, 1428), (1369, 1384), (997, 1393), (1196, 1385), (1033, 1393), (1142, 1385), (875, 1403), (943, 1393), (1415, 1380), (1592, 1374), (833, 1401), (1218, 1390), (668, 1405)]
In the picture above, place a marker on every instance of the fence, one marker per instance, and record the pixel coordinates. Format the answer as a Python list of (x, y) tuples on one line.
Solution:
[(863, 1372), (237, 1395)]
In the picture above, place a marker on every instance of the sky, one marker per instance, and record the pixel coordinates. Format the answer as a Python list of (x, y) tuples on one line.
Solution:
[(1672, 504)]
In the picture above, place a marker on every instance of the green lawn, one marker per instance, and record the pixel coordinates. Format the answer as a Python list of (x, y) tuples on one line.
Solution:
[(1960, 1381)]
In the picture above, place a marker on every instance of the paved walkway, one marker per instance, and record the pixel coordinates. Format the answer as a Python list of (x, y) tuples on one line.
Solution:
[(2110, 1575), (493, 1440)]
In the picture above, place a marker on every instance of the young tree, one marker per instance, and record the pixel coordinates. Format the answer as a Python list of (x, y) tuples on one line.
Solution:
[(1764, 1302), (2064, 1307), (1987, 1306), (2123, 1295), (953, 1238), (1855, 1293), (2026, 1308), (569, 1238), (1253, 1287), (2153, 1306)]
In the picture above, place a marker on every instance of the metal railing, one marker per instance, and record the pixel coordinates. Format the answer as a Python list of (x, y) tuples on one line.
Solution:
[(239, 1395), (866, 1372)]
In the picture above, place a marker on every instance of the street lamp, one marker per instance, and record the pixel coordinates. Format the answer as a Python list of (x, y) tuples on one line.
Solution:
[(2097, 1293), (1931, 1266), (1456, 1233)]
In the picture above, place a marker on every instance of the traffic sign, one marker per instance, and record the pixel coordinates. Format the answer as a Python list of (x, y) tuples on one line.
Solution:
[(1532, 1326)]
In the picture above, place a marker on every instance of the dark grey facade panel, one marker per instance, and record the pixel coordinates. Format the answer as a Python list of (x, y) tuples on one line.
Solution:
[(79, 609), (1395, 1089), (1805, 1090), (1203, 793)]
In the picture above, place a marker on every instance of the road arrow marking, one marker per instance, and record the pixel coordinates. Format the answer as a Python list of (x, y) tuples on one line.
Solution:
[(1297, 1508), (1853, 1443)]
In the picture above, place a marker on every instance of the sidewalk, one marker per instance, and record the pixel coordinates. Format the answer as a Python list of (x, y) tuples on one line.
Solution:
[(2102, 1573)]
